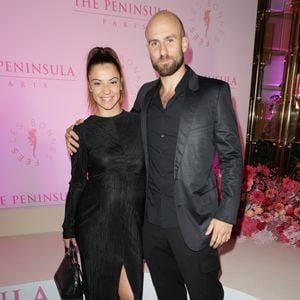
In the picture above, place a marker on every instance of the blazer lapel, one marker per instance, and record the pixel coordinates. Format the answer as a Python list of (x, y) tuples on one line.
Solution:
[(185, 123), (186, 118)]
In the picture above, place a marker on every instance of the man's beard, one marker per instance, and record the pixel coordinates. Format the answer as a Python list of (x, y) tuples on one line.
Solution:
[(168, 70)]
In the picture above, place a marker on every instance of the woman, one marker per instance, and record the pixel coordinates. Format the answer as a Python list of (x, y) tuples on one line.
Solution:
[(105, 202)]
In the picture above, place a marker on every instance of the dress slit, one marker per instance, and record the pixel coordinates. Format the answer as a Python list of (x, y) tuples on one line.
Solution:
[(128, 279)]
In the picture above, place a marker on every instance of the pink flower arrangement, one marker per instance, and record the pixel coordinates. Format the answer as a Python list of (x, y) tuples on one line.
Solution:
[(271, 206)]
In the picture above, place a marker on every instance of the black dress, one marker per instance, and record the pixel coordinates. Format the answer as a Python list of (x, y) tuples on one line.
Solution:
[(105, 203)]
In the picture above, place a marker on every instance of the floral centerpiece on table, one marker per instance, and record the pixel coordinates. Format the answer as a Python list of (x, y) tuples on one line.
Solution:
[(271, 205)]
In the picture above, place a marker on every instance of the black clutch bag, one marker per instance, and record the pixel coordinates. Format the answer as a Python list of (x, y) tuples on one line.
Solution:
[(68, 277)]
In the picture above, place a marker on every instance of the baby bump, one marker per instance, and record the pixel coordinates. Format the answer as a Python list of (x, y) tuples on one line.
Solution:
[(110, 194)]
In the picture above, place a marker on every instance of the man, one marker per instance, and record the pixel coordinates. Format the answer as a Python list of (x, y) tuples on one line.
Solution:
[(186, 120)]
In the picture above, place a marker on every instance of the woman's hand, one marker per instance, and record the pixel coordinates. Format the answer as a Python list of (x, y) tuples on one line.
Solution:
[(68, 241)]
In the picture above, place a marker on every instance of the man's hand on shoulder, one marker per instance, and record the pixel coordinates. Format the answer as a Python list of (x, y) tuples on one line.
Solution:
[(221, 232), (72, 138)]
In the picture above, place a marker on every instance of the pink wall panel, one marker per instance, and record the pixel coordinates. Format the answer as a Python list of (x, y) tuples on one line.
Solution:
[(42, 75)]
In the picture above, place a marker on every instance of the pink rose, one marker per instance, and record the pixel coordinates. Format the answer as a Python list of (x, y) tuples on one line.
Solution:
[(249, 171), (270, 193), (258, 210), (282, 238), (296, 225), (283, 198), (249, 226), (256, 196), (247, 185), (298, 244), (285, 182), (297, 212), (289, 211), (267, 202), (278, 207), (288, 219), (290, 185), (249, 213), (261, 226), (267, 217), (279, 229)]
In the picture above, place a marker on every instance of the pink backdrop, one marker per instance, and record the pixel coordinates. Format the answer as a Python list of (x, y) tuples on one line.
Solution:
[(42, 75)]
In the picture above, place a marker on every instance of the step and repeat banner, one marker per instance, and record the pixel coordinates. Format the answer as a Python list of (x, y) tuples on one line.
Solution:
[(43, 52)]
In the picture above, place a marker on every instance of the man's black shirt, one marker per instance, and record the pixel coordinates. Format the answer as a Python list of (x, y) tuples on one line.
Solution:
[(162, 131)]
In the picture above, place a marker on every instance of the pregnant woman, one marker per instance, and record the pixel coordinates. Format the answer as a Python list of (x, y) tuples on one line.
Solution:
[(105, 202)]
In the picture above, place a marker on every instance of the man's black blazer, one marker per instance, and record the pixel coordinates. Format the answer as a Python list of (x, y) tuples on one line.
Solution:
[(207, 126)]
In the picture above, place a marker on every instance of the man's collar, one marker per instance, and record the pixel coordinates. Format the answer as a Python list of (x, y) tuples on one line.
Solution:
[(193, 81)]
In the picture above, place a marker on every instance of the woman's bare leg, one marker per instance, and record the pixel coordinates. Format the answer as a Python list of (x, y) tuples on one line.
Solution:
[(125, 291)]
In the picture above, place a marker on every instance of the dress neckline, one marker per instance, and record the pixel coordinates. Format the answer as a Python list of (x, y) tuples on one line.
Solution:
[(112, 117)]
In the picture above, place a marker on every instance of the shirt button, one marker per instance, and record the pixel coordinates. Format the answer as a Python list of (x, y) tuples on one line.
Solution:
[(162, 135)]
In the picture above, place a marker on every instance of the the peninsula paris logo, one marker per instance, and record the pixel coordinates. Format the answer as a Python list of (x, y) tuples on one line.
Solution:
[(26, 74), (123, 14), (207, 24), (32, 143)]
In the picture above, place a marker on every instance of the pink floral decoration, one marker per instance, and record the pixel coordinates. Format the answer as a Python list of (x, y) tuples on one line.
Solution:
[(249, 226), (297, 212), (271, 204)]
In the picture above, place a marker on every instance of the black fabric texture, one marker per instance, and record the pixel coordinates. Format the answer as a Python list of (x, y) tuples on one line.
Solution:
[(105, 203)]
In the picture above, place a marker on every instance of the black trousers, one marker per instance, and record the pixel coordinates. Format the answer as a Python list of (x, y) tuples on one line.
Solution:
[(174, 267)]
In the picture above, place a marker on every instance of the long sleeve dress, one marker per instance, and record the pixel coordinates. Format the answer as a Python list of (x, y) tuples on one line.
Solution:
[(105, 203)]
